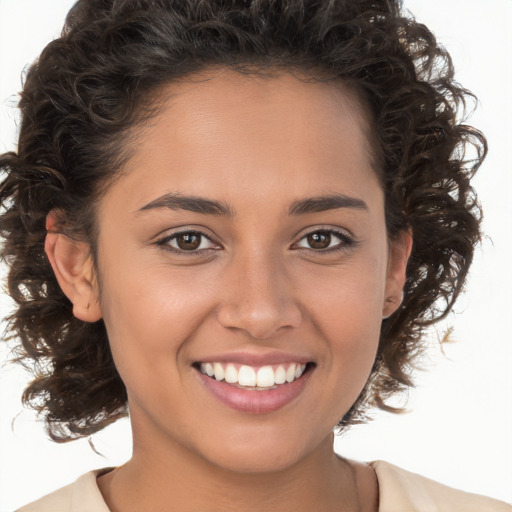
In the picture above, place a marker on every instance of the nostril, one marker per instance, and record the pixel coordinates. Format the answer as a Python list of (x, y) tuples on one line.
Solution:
[(258, 329), (261, 319)]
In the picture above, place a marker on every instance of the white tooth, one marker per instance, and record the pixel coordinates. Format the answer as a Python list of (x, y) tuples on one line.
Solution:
[(290, 373), (280, 375), (231, 374), (246, 376), (208, 367), (218, 370), (299, 370), (265, 377), (202, 367)]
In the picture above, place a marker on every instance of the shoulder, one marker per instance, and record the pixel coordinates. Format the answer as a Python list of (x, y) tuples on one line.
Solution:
[(403, 491), (81, 496)]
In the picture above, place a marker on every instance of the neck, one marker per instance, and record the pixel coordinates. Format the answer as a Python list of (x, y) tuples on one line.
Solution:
[(169, 477)]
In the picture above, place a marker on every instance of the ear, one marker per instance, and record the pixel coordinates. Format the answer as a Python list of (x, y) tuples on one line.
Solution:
[(73, 267), (399, 251)]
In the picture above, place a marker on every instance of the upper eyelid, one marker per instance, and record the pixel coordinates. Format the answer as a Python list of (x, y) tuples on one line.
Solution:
[(330, 229), (171, 236), (172, 232), (162, 241), (344, 237)]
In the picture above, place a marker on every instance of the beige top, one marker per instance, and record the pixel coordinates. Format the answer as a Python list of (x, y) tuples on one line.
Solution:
[(400, 491)]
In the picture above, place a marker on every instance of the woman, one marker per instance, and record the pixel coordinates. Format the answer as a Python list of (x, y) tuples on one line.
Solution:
[(236, 218)]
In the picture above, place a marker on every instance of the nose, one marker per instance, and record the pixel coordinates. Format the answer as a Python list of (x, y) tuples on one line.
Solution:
[(258, 298)]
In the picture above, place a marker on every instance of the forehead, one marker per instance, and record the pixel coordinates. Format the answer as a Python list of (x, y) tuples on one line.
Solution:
[(220, 132), (263, 101)]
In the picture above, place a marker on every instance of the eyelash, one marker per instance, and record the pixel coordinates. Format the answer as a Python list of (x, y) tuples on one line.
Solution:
[(164, 243), (346, 242)]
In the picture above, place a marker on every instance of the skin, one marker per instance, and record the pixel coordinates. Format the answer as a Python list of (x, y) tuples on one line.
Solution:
[(257, 286)]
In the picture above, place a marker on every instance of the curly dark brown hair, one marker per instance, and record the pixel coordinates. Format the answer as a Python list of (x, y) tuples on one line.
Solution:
[(102, 77)]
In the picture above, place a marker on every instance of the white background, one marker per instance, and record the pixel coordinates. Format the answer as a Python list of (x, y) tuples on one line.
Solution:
[(459, 430)]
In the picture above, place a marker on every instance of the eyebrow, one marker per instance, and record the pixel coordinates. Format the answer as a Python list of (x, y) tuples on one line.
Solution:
[(325, 203), (205, 206), (190, 203)]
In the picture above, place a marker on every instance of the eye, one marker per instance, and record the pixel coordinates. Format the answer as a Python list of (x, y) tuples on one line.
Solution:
[(325, 240), (187, 241)]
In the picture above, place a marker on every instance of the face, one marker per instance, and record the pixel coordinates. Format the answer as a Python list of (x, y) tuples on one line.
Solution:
[(245, 269)]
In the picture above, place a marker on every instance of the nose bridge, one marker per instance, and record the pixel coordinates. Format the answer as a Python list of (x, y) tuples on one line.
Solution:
[(259, 297)]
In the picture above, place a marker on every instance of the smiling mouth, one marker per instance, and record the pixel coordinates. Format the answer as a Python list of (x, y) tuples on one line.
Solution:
[(261, 378)]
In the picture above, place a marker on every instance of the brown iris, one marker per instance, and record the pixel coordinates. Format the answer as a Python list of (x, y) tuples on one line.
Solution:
[(188, 241), (319, 240)]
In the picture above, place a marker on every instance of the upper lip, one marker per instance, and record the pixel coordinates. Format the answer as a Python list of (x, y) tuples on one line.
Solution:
[(256, 359)]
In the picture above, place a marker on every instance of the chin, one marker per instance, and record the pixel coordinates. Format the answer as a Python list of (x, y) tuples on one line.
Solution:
[(263, 450), (255, 460)]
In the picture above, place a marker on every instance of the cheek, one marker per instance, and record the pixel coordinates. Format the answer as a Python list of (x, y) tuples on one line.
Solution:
[(346, 299), (150, 315), (150, 322), (346, 310)]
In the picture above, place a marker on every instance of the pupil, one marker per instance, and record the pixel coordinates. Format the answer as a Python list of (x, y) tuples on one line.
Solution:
[(319, 240), (189, 241)]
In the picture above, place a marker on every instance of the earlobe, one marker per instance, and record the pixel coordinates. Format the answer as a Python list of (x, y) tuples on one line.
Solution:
[(72, 265), (399, 252)]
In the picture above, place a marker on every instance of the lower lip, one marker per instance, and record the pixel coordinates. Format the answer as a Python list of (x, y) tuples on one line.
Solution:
[(253, 401)]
